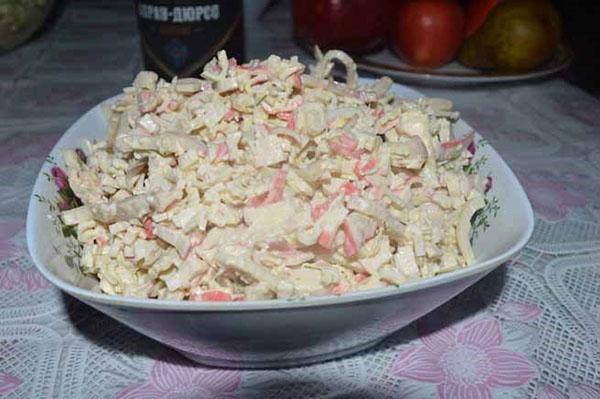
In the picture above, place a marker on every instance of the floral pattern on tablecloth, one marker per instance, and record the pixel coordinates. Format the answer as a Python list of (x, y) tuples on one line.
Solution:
[(172, 375), (531, 329), (465, 360)]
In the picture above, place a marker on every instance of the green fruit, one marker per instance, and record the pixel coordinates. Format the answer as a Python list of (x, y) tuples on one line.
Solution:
[(517, 36), (474, 54)]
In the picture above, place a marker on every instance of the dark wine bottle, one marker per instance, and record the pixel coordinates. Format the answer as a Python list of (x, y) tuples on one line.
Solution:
[(179, 36)]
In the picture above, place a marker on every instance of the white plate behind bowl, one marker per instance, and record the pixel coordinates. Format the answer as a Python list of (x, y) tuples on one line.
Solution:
[(386, 62), (229, 329)]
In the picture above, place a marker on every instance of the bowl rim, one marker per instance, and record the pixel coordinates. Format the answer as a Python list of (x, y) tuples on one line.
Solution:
[(270, 304)]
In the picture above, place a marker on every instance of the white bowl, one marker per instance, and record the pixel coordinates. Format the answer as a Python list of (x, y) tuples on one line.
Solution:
[(277, 333)]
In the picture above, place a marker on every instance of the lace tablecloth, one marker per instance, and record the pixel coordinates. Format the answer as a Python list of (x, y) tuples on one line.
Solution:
[(530, 329)]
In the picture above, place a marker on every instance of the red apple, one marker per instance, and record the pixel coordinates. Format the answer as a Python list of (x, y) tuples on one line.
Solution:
[(356, 26), (428, 33)]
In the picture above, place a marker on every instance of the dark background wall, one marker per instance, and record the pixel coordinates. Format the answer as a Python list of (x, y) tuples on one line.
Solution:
[(582, 31)]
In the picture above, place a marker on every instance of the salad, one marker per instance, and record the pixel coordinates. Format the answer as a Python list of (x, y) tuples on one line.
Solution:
[(267, 180)]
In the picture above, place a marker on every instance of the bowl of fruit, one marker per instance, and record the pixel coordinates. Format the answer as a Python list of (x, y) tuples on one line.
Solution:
[(442, 41)]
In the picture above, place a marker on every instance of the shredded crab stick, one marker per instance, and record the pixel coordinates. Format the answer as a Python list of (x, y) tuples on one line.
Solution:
[(216, 296), (346, 145), (269, 180)]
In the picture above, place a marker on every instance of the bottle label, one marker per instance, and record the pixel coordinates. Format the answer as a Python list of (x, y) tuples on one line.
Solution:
[(179, 37), (179, 15)]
